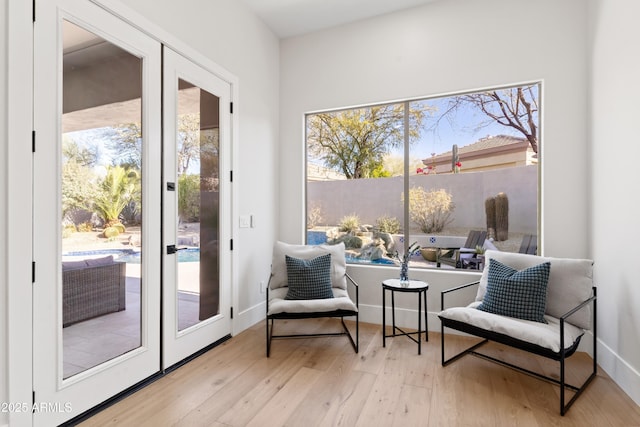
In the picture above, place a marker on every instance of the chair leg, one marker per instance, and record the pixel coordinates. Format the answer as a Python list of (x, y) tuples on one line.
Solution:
[(471, 349), (269, 336)]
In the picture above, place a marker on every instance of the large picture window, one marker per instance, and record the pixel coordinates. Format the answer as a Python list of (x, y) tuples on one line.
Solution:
[(457, 174)]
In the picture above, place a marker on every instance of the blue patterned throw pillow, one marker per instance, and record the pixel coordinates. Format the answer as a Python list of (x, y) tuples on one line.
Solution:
[(521, 294), (309, 279)]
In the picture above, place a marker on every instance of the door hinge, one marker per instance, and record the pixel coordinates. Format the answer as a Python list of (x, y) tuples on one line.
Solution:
[(232, 312), (33, 11), (231, 244), (33, 397), (33, 272), (33, 141), (231, 176), (231, 107)]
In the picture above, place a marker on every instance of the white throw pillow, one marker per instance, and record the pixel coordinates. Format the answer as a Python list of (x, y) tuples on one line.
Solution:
[(570, 282), (279, 267)]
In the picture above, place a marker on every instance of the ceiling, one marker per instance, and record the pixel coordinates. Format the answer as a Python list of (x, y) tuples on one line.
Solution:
[(288, 18)]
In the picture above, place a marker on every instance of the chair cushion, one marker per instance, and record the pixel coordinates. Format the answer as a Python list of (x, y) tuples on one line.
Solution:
[(309, 278), (521, 294), (279, 268), (278, 304), (545, 335), (570, 282)]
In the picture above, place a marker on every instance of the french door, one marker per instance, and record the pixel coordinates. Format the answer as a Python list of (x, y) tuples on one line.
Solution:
[(104, 281), (197, 200)]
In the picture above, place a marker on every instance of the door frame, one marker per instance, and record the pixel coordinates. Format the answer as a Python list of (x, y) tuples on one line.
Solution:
[(110, 377), (19, 355), (180, 344)]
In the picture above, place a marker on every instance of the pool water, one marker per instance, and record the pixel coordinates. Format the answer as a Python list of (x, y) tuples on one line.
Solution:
[(316, 237), (132, 256)]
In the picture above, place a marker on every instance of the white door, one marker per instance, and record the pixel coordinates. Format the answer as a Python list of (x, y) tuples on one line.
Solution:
[(97, 198), (197, 208)]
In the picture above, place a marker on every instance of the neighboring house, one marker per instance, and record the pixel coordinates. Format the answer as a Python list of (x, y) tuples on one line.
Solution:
[(490, 152)]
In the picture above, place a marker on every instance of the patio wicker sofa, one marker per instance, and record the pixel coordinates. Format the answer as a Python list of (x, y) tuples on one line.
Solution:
[(91, 288)]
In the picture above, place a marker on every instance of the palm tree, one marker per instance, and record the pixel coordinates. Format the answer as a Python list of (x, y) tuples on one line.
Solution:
[(117, 189)]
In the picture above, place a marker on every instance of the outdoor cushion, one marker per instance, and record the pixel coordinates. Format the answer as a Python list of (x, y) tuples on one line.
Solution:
[(279, 268), (73, 265), (278, 303), (570, 283), (96, 262), (309, 279), (541, 334), (521, 294)]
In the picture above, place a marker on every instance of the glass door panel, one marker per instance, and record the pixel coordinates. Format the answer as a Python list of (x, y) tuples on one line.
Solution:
[(97, 178), (101, 194), (198, 203), (196, 208)]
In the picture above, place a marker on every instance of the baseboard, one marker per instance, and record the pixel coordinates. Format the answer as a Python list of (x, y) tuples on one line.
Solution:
[(623, 374), (405, 318), (249, 317)]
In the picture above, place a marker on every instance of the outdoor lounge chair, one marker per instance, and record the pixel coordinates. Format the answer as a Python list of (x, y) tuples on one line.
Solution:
[(456, 256), (529, 244), (310, 282), (536, 304)]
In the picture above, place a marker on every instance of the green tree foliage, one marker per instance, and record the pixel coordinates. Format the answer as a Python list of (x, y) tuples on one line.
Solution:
[(126, 144), (78, 180), (354, 142), (189, 198), (83, 156), (118, 188)]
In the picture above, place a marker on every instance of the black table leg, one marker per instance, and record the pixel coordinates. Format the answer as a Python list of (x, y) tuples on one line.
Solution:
[(384, 329)]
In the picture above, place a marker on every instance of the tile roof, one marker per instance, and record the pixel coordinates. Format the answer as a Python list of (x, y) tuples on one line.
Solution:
[(485, 143)]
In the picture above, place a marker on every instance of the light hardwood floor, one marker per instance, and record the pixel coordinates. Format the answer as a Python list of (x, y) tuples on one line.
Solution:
[(322, 382)]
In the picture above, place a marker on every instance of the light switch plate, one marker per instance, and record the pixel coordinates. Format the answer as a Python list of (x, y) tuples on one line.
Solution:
[(245, 221)]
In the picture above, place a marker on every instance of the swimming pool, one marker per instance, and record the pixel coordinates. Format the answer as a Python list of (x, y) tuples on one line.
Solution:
[(132, 256)]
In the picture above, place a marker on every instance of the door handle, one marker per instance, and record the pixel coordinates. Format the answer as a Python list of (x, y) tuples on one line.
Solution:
[(172, 249)]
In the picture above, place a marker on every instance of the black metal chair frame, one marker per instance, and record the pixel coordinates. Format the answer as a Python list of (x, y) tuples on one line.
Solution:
[(560, 356), (270, 320)]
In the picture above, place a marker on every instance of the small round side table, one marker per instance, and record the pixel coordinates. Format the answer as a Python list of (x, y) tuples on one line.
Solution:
[(414, 286)]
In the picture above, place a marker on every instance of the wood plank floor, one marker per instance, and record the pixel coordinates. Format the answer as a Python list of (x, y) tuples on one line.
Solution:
[(322, 382)]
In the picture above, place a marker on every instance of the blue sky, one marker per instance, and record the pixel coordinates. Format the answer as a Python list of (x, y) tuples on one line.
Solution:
[(461, 129)]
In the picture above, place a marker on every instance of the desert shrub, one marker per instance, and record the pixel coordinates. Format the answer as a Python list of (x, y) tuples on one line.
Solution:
[(430, 210), (85, 227), (111, 232), (120, 227), (68, 230), (350, 223), (314, 217), (388, 224)]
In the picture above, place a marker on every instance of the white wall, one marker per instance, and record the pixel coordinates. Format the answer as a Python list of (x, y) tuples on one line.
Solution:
[(615, 90), (3, 211), (232, 37)]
